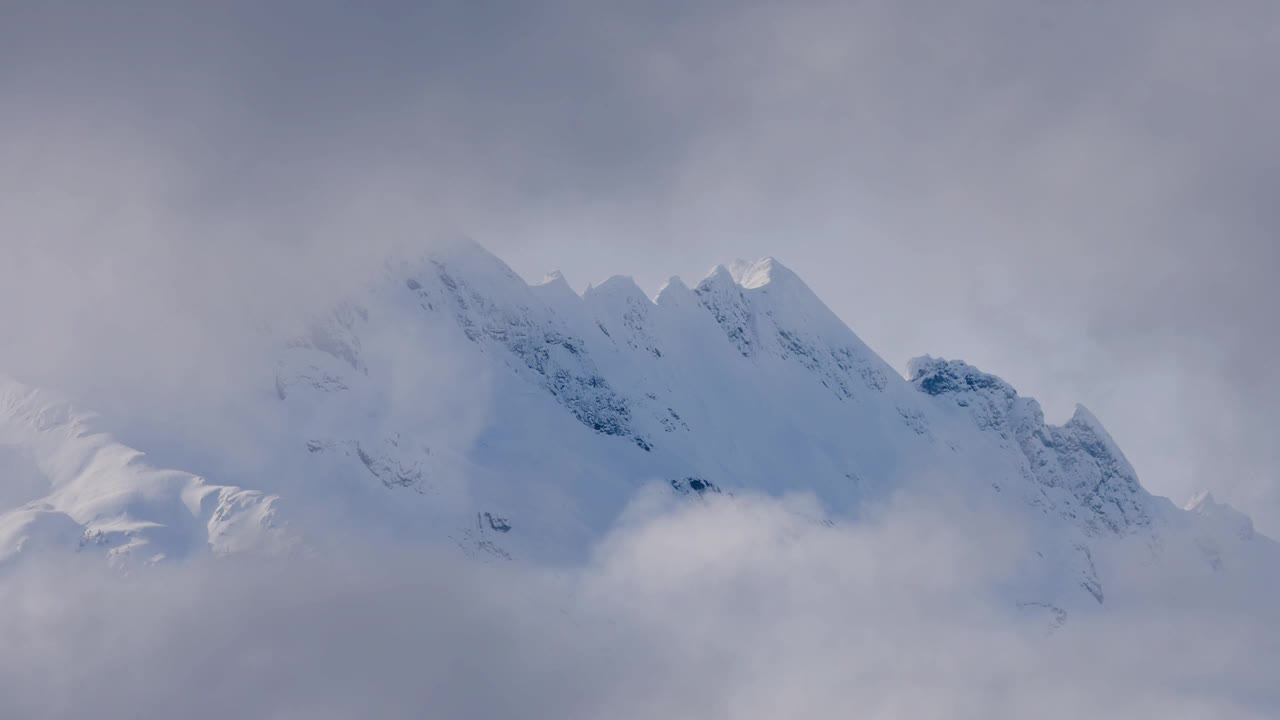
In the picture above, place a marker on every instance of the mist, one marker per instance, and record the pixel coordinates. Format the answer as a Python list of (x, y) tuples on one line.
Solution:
[(1071, 197), (735, 608), (1076, 198)]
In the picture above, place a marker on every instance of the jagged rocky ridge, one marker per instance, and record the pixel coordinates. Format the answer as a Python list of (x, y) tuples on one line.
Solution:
[(1077, 467), (451, 400)]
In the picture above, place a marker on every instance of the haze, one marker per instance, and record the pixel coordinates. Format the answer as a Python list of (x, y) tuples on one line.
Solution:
[(1078, 197)]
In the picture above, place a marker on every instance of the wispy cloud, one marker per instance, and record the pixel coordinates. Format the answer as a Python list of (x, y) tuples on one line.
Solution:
[(1073, 197), (736, 608)]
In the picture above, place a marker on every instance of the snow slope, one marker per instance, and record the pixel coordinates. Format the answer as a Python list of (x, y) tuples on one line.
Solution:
[(67, 486), (450, 400)]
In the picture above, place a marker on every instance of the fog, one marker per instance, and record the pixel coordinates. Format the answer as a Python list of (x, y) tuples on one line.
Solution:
[(742, 608), (1076, 197), (1073, 197)]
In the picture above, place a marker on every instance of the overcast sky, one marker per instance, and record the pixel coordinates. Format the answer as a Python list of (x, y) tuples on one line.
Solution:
[(1079, 197)]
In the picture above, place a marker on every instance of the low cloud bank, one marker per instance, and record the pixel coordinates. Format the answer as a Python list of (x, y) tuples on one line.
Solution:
[(733, 608)]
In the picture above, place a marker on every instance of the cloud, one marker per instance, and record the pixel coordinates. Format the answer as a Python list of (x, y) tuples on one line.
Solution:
[(1072, 197), (740, 608)]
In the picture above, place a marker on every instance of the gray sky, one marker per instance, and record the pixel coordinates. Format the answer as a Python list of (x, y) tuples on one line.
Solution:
[(1076, 196)]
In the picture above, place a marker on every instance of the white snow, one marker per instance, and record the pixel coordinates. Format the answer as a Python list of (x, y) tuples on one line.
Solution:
[(92, 493), (451, 391)]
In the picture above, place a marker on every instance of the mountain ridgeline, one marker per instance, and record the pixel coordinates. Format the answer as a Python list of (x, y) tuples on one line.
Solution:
[(449, 400)]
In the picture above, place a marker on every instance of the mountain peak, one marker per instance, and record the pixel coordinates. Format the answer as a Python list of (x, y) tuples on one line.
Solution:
[(718, 277), (623, 286), (1085, 419), (748, 381), (1202, 499), (555, 282), (1223, 515), (765, 271), (554, 288), (672, 288), (471, 258), (555, 276)]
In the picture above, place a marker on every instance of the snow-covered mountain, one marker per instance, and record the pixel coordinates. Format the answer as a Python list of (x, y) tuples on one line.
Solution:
[(450, 400), (64, 484)]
